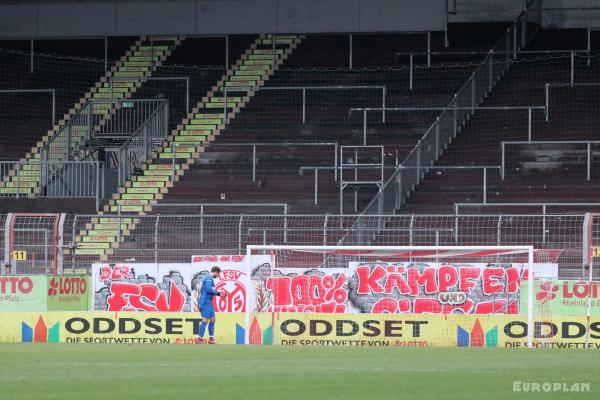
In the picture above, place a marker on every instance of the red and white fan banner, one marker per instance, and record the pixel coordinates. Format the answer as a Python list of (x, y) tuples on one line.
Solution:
[(171, 287), (260, 284), (399, 287)]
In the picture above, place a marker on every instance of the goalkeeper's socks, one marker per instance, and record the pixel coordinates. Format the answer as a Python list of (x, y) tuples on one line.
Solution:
[(211, 329), (202, 329)]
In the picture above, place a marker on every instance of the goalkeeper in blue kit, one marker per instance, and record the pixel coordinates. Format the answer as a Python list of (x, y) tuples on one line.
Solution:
[(205, 304)]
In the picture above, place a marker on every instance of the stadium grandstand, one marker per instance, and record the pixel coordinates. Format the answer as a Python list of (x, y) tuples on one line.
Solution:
[(147, 137)]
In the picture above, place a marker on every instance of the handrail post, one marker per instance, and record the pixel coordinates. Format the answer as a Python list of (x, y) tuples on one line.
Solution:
[(165, 116), (274, 50), (53, 108), (325, 230), (514, 41), (437, 137), (103, 179), (97, 164), (151, 52), (254, 163), (455, 127), (411, 72), (455, 223), (589, 45), (335, 161), (145, 142), (499, 230), (316, 185), (187, 94), (105, 53), (529, 124), (418, 162), (201, 224), (173, 149), (303, 105), (226, 52), (156, 222), (589, 160), (572, 67), (240, 224), (364, 127), (507, 39), (484, 185), (399, 193), (383, 95), (31, 56), (544, 224), (547, 89), (473, 93), (491, 72), (524, 26), (119, 230), (19, 178), (225, 102), (68, 151), (428, 49), (90, 119), (285, 223), (350, 53), (503, 155)]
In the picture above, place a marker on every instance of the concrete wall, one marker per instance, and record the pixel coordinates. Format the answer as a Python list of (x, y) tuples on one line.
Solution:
[(569, 17), (189, 17), (62, 18)]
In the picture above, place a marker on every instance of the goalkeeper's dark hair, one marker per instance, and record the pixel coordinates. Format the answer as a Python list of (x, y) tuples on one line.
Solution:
[(215, 269)]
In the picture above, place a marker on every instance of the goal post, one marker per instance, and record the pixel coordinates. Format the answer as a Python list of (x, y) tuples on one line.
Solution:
[(452, 282)]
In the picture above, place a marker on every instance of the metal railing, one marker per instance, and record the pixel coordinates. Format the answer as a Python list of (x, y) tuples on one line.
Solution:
[(587, 151), (543, 206), (126, 117), (176, 237), (572, 84), (303, 90), (472, 108), (421, 171), (447, 125), (139, 146), (65, 143), (254, 147), (368, 166), (200, 210), (72, 179), (186, 79), (15, 187), (99, 119), (546, 217)]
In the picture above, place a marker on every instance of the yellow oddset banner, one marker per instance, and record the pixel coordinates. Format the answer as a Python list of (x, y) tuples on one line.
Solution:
[(423, 330), (303, 329), (115, 327)]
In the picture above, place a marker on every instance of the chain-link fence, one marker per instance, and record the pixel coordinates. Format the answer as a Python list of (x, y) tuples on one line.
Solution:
[(176, 237)]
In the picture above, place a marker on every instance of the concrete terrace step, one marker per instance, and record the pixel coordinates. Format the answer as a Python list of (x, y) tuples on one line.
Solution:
[(143, 190)]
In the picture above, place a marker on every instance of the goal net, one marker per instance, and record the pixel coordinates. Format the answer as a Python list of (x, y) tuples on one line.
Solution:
[(491, 296)]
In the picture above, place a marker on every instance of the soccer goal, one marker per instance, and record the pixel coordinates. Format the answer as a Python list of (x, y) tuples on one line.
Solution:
[(480, 296)]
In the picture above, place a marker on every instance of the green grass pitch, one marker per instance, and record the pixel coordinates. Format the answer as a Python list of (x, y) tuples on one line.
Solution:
[(115, 372)]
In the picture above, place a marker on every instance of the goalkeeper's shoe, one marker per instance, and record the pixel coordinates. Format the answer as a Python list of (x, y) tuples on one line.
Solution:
[(201, 341), (211, 340)]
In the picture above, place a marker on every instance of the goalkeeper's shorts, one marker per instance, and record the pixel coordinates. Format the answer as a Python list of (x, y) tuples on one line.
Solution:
[(207, 311)]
